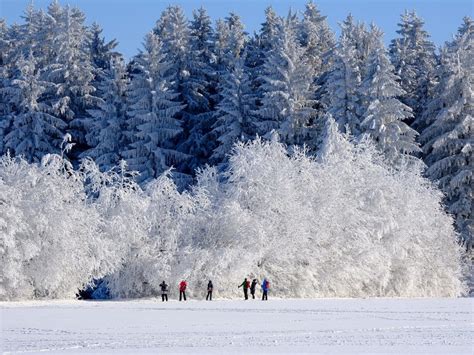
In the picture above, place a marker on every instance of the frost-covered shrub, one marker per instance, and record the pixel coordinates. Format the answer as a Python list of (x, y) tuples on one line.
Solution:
[(342, 225), (152, 222), (52, 239)]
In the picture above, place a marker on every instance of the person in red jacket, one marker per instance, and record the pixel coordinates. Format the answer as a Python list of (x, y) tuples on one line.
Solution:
[(182, 290), (245, 285)]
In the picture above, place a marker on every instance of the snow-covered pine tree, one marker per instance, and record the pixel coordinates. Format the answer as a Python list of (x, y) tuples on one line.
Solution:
[(188, 74), (34, 132), (319, 43), (448, 141), (341, 93), (202, 81), (230, 40), (233, 114), (153, 108), (384, 118), (106, 135), (51, 28), (38, 33), (29, 40), (414, 59), (202, 45), (102, 53), (17, 43), (257, 48), (262, 42), (269, 29), (287, 85), (6, 48), (71, 72), (317, 39), (358, 35), (338, 90), (236, 39)]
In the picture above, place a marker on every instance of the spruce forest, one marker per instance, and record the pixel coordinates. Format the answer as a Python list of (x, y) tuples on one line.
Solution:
[(339, 164)]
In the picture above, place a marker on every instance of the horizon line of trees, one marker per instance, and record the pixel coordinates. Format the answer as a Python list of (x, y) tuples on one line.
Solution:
[(342, 223), (195, 90)]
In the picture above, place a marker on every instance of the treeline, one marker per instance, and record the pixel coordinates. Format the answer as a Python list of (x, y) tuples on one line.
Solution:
[(344, 224), (196, 89)]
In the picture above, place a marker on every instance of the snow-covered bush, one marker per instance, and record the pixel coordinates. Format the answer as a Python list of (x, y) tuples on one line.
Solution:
[(52, 238), (152, 221), (342, 225)]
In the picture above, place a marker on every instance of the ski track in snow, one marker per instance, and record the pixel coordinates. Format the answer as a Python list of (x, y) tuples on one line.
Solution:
[(430, 326)]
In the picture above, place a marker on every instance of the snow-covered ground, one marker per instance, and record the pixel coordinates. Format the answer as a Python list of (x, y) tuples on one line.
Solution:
[(287, 326)]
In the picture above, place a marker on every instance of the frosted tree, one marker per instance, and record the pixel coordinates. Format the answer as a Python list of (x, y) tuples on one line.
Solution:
[(288, 217), (156, 244), (261, 42), (203, 63), (385, 114), (233, 115), (358, 36), (36, 36), (188, 74), (17, 42), (414, 59), (258, 47), (106, 136), (72, 73), (152, 109), (237, 37), (102, 53), (203, 82), (317, 39), (342, 96), (174, 33), (287, 100), (230, 41), (269, 29), (34, 132), (338, 90), (6, 49), (53, 240), (5, 44), (448, 140), (52, 28)]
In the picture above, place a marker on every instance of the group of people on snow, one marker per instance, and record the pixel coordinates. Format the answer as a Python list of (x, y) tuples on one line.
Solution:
[(246, 285)]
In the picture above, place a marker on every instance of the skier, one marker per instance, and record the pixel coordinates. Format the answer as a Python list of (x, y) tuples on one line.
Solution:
[(253, 287), (245, 285), (182, 290), (265, 288), (209, 291), (164, 291)]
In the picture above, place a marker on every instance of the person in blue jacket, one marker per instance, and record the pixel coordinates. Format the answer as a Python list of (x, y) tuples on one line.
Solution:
[(265, 288)]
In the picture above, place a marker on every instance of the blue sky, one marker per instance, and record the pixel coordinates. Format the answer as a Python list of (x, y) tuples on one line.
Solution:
[(129, 20)]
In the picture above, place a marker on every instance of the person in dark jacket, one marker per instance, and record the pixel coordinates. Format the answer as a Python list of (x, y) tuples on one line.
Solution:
[(253, 286), (265, 288), (246, 286), (210, 287), (164, 291), (182, 290)]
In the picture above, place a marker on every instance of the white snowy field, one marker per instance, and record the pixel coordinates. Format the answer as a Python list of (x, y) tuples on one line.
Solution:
[(429, 326)]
